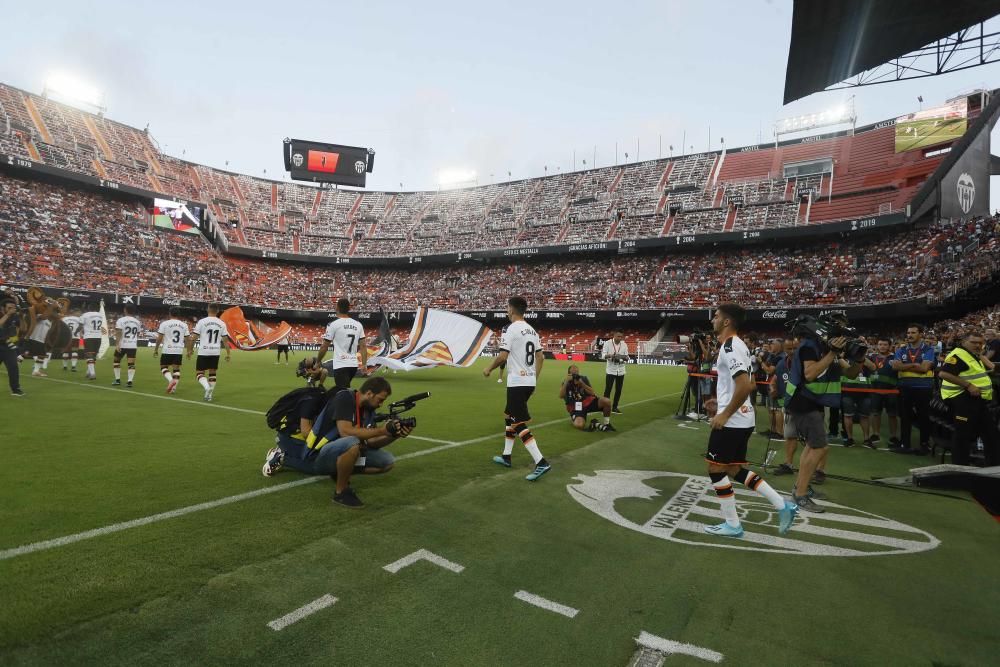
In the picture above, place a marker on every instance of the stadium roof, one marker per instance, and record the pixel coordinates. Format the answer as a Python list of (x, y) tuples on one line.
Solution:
[(833, 41)]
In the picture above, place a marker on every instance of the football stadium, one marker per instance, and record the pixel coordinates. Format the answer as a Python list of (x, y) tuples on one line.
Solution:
[(730, 406)]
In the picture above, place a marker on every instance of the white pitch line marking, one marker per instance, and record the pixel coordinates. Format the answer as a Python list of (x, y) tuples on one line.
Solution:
[(203, 404), (423, 554), (548, 605), (190, 509), (669, 646), (303, 611)]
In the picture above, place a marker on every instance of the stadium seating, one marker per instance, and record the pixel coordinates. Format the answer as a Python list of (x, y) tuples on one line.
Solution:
[(67, 237), (690, 194)]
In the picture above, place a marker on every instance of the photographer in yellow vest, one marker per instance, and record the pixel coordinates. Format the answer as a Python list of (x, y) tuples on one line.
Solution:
[(967, 389)]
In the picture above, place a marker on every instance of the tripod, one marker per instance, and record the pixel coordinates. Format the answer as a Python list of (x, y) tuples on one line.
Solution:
[(692, 389)]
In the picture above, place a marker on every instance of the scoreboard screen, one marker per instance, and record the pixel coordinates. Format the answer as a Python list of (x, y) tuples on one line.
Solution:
[(328, 163)]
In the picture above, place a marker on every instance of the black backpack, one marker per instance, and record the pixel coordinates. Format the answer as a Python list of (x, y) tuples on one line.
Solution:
[(277, 416)]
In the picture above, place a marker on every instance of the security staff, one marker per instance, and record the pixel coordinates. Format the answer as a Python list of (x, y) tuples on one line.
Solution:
[(915, 363), (966, 388)]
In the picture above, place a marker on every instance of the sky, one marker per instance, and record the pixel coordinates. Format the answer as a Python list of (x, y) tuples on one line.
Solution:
[(518, 87)]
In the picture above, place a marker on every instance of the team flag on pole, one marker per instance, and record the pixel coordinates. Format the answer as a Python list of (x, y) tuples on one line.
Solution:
[(105, 343), (438, 338)]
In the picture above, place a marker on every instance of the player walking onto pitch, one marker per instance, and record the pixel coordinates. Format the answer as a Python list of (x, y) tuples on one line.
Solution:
[(127, 330), (69, 353), (94, 329), (521, 350), (732, 425), (209, 332), (171, 335), (348, 338)]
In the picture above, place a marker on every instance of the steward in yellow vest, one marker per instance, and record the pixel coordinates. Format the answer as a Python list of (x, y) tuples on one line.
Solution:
[(966, 388)]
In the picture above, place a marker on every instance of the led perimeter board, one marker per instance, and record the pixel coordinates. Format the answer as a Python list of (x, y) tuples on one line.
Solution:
[(328, 163)]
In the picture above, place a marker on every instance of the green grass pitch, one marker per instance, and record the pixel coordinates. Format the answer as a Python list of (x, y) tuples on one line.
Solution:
[(201, 587)]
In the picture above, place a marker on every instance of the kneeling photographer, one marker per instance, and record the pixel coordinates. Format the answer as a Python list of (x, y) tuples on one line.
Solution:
[(346, 438), (828, 351), (581, 399)]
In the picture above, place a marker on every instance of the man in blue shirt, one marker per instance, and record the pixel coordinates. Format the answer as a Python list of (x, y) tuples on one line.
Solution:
[(914, 363)]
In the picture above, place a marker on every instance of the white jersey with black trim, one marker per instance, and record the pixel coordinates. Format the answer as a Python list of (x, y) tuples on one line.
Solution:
[(521, 343), (130, 329), (40, 331), (210, 332), (91, 324), (734, 358), (174, 332), (73, 322), (347, 335)]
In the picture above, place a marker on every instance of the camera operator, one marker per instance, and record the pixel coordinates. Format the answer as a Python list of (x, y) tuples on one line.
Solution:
[(10, 324), (915, 364), (703, 362), (344, 439), (615, 352), (813, 384), (581, 399), (967, 390), (313, 371)]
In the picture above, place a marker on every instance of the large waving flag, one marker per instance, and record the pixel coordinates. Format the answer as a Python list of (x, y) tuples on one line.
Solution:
[(439, 338), (249, 336), (105, 341)]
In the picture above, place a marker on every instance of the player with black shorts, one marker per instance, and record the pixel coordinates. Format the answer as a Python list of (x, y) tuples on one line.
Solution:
[(347, 337), (210, 332), (70, 353), (127, 330), (94, 329), (172, 335), (521, 350), (733, 421), (282, 347)]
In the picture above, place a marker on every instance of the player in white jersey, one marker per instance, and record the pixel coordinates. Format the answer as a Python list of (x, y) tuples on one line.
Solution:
[(521, 350), (93, 327), (210, 332), (733, 421), (36, 345), (615, 352), (172, 335), (127, 331), (282, 346), (69, 353), (348, 338)]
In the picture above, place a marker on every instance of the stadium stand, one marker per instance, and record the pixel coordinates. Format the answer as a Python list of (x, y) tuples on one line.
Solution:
[(690, 194), (69, 237)]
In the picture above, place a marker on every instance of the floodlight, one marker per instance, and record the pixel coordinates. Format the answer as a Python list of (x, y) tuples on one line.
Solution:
[(73, 90), (456, 176)]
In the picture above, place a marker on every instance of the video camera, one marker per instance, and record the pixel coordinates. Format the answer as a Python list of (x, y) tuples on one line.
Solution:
[(399, 407), (825, 328)]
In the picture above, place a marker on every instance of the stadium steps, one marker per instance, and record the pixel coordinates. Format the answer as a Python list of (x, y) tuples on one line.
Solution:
[(99, 168), (317, 201), (154, 181), (617, 181), (237, 190), (665, 176), (95, 132), (36, 118), (354, 207), (730, 219), (667, 225)]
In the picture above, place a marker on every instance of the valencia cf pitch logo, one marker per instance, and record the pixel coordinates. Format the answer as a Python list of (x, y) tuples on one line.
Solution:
[(677, 507), (966, 192), (297, 160)]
